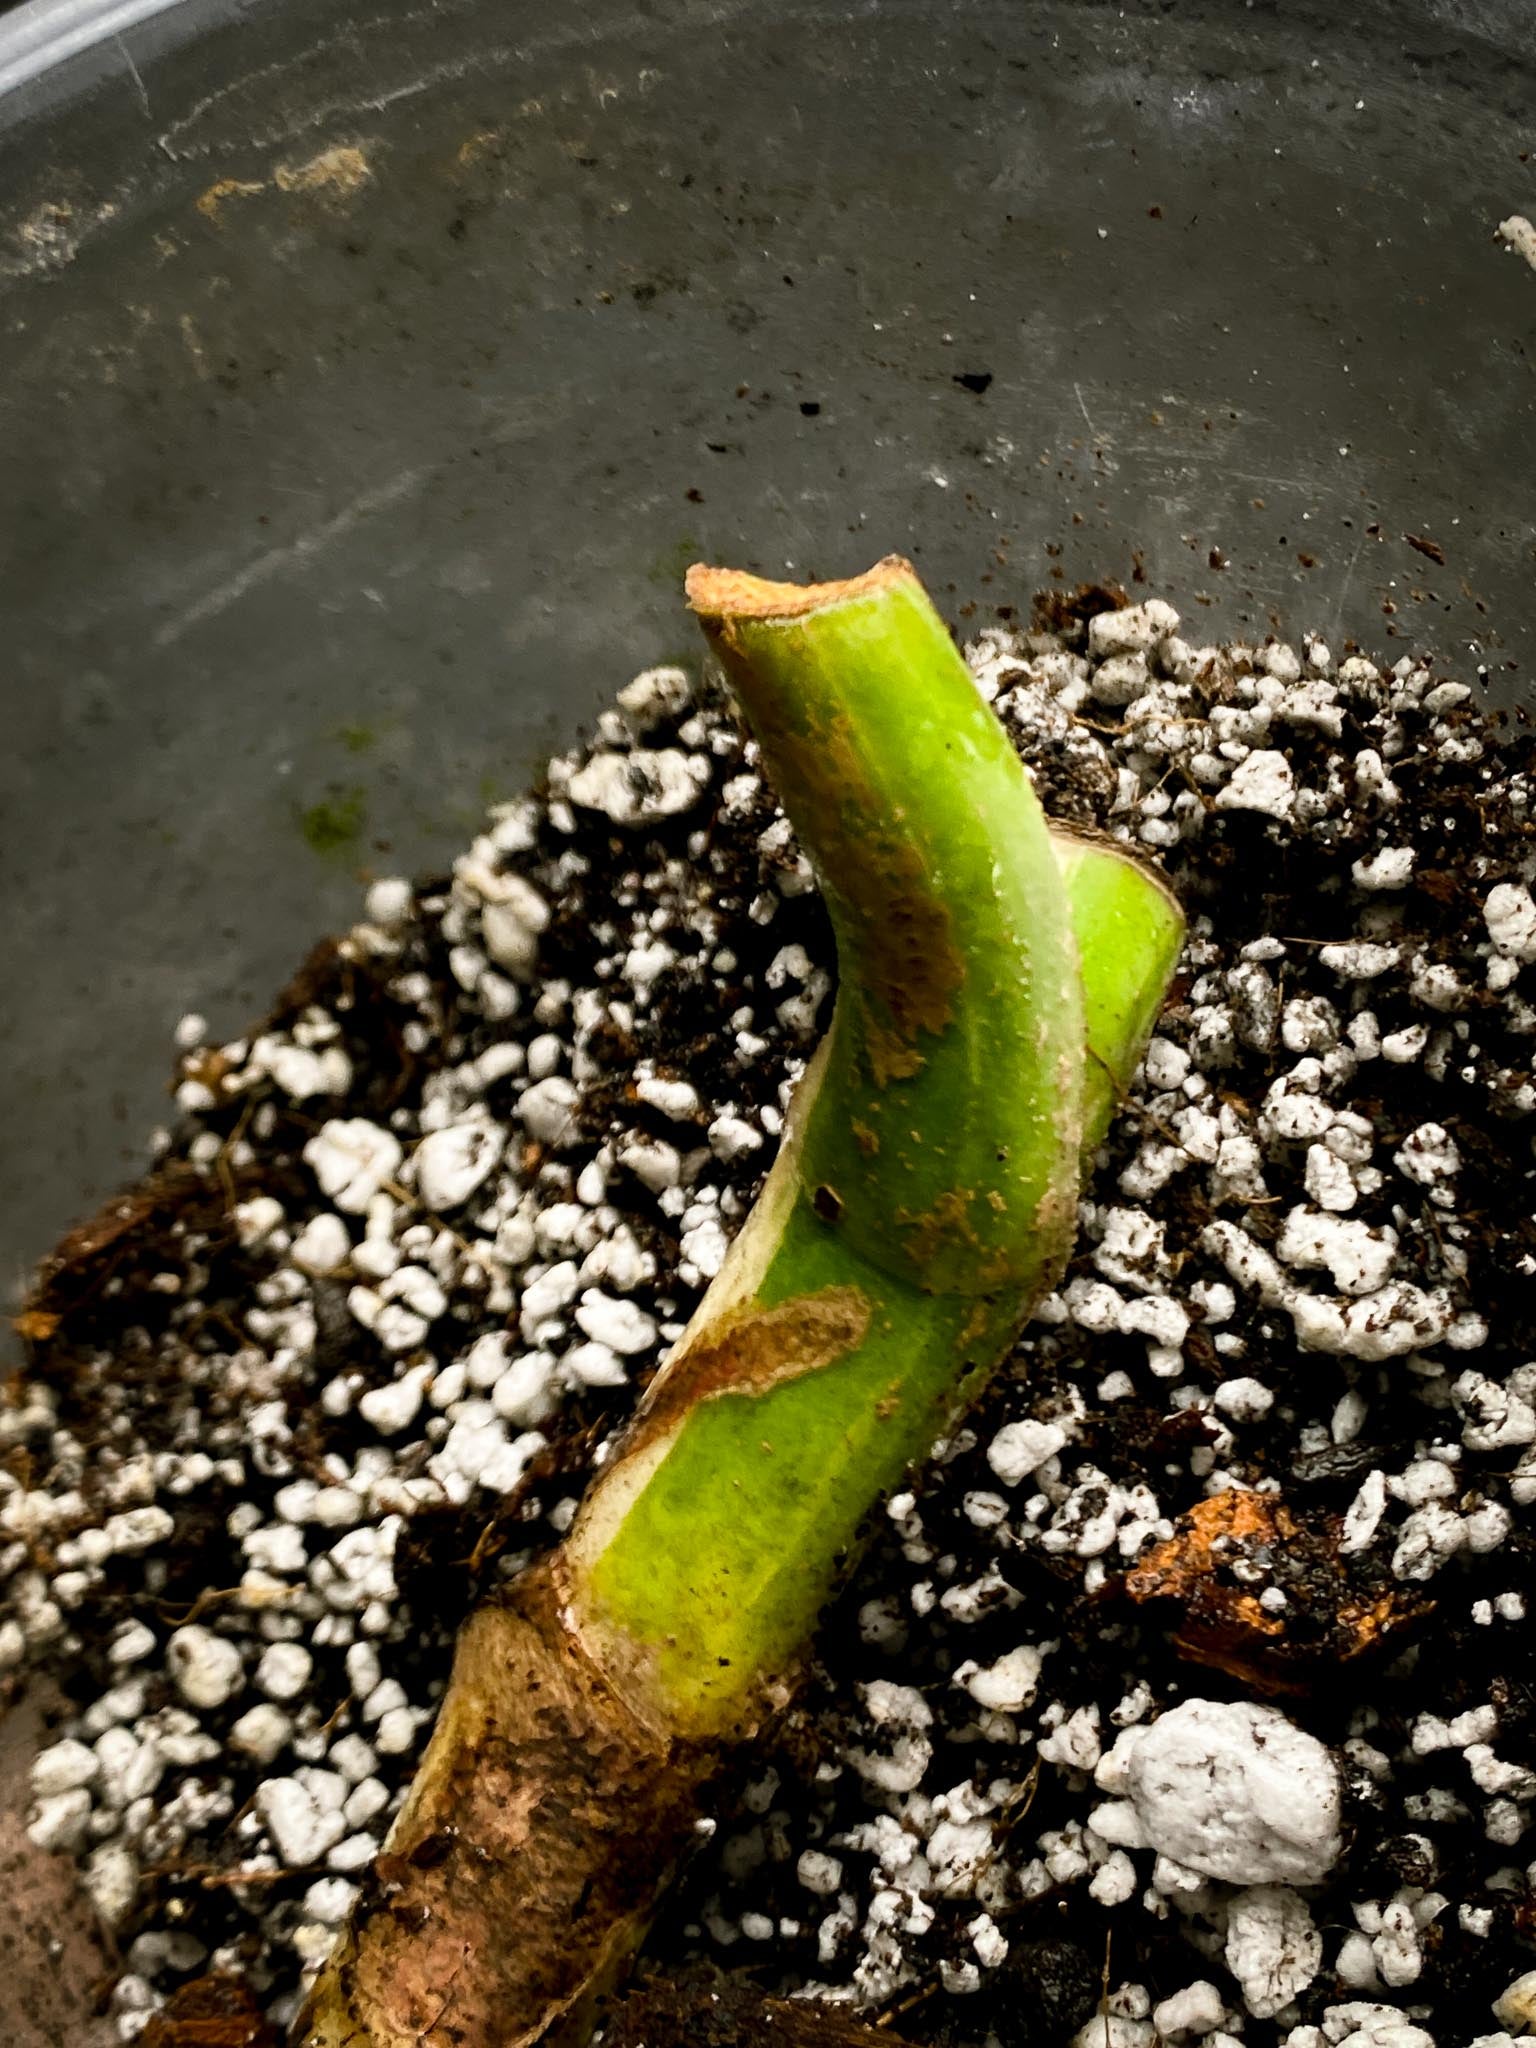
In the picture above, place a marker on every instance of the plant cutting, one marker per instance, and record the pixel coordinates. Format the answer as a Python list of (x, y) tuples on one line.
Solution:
[(997, 982), (1257, 1475)]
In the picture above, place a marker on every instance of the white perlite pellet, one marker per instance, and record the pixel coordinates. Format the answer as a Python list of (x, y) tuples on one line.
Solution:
[(1273, 1947), (284, 1671), (323, 1246), (262, 1732), (1007, 1685), (511, 922), (392, 1409), (65, 1767), (303, 1818), (1020, 1448), (638, 789), (1264, 782), (1519, 235), (207, 1669), (654, 695), (1236, 1791), (352, 1159), (620, 1325), (1391, 868), (1198, 2009), (59, 1821), (819, 1872), (450, 1164)]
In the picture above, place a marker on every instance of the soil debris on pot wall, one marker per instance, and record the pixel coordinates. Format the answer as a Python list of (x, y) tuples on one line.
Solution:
[(1195, 1667)]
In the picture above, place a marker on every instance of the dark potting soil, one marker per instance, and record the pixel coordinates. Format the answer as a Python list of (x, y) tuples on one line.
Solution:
[(1249, 1515)]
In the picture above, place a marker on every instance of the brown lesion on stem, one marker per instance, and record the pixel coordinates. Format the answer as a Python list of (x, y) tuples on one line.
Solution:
[(900, 953), (890, 1059), (907, 967), (521, 1875), (726, 594), (750, 1354), (925, 1231), (893, 924)]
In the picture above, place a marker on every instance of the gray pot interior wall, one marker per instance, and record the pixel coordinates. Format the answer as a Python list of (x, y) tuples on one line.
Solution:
[(367, 379)]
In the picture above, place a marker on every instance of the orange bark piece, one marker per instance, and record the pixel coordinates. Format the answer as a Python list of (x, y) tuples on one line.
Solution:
[(1328, 1618), (35, 1325)]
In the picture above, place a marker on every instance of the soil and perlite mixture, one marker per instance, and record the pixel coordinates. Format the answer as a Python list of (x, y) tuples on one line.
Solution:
[(1188, 1694)]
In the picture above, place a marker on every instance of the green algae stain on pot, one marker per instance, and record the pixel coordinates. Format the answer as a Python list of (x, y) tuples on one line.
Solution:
[(356, 737), (335, 823)]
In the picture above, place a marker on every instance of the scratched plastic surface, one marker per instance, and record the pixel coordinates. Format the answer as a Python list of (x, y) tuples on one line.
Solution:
[(366, 382)]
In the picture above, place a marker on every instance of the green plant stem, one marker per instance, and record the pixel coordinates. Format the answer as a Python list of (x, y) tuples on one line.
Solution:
[(926, 1194), (996, 985)]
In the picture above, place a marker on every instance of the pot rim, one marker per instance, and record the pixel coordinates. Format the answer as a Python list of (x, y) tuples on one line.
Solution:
[(42, 35)]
